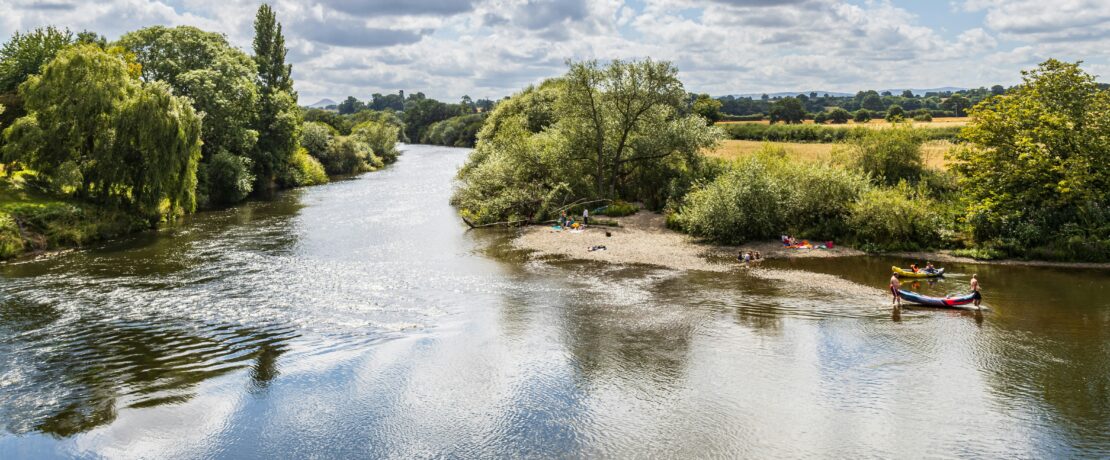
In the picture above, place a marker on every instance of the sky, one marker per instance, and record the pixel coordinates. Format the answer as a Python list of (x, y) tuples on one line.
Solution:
[(493, 48)]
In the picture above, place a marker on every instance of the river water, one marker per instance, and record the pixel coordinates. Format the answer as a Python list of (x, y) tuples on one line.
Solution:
[(362, 319)]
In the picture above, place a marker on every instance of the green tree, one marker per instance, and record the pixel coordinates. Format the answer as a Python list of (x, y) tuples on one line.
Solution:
[(380, 137), (350, 105), (872, 102), (889, 155), (907, 94), (862, 116), (25, 54), (1038, 170), (895, 113), (315, 137), (957, 104), (92, 126), (839, 116), (624, 116), (788, 110), (279, 118), (820, 118), (206, 68), (421, 112), (998, 90), (708, 108)]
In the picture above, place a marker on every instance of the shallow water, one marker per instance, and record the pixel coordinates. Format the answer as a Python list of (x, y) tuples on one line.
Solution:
[(361, 318)]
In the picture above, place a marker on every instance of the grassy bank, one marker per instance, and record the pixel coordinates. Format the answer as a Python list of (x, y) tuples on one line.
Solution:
[(32, 222)]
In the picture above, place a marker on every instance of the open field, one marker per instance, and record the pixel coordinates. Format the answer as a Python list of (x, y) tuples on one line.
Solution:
[(933, 151), (876, 123)]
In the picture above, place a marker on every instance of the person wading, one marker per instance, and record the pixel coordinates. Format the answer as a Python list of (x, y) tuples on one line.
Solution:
[(975, 289), (895, 285)]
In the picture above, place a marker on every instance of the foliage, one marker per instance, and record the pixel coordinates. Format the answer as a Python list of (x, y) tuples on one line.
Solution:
[(787, 110), (421, 112), (619, 208), (1039, 168), (206, 68), (898, 218), (29, 222), (621, 125), (820, 118), (766, 194), (790, 133), (889, 155), (707, 107), (839, 116), (348, 155), (895, 113), (225, 179), (862, 116), (279, 118), (460, 131), (25, 54), (92, 126), (315, 137), (380, 137), (304, 169)]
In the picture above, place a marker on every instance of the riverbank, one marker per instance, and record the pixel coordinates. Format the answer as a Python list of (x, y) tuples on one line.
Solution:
[(644, 239)]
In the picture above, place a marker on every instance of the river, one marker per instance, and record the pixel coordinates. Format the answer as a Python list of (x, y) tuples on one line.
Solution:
[(362, 319)]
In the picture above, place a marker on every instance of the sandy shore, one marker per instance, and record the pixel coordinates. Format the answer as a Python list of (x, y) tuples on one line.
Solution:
[(643, 238)]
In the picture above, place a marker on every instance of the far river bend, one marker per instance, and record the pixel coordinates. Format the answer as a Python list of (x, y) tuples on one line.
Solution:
[(361, 319)]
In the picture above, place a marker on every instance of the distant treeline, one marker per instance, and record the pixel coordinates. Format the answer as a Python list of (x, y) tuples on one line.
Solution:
[(819, 133), (939, 104), (421, 119)]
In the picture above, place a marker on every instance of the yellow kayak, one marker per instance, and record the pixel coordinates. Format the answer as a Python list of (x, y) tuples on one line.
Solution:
[(919, 274)]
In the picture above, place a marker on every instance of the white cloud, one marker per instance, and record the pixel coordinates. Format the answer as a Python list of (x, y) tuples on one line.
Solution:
[(491, 48)]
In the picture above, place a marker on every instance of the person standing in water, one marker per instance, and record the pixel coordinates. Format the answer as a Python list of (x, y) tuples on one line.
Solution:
[(975, 289), (895, 285)]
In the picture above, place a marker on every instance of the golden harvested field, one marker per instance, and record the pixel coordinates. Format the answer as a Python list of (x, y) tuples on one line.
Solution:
[(733, 149), (880, 123)]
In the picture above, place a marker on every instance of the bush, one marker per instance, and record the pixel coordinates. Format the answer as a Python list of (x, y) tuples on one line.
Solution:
[(460, 131), (225, 179), (767, 194), (839, 116), (895, 113), (789, 133), (380, 137), (620, 209), (820, 118), (863, 116), (303, 170), (889, 155), (898, 218), (315, 137), (347, 155)]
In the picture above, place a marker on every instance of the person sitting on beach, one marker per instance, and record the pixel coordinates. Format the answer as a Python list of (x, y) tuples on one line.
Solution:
[(563, 219)]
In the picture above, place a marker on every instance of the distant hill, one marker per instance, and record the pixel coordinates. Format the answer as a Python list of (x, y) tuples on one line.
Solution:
[(322, 103), (895, 91)]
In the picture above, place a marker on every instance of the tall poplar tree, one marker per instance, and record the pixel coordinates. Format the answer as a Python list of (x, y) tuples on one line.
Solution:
[(278, 118)]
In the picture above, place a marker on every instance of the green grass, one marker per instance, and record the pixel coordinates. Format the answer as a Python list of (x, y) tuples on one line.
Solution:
[(30, 221)]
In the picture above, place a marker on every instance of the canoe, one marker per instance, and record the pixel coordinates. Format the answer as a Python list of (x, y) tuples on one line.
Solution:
[(920, 274), (951, 302)]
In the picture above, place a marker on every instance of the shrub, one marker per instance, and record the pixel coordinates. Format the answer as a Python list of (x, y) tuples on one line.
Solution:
[(226, 179), (315, 137), (889, 155), (898, 218), (304, 169), (789, 133), (765, 195), (347, 155), (863, 116), (839, 116), (895, 113), (620, 209), (820, 118), (380, 137)]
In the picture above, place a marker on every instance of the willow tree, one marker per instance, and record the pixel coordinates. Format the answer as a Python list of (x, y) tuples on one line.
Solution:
[(279, 118), (94, 127), (626, 117)]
